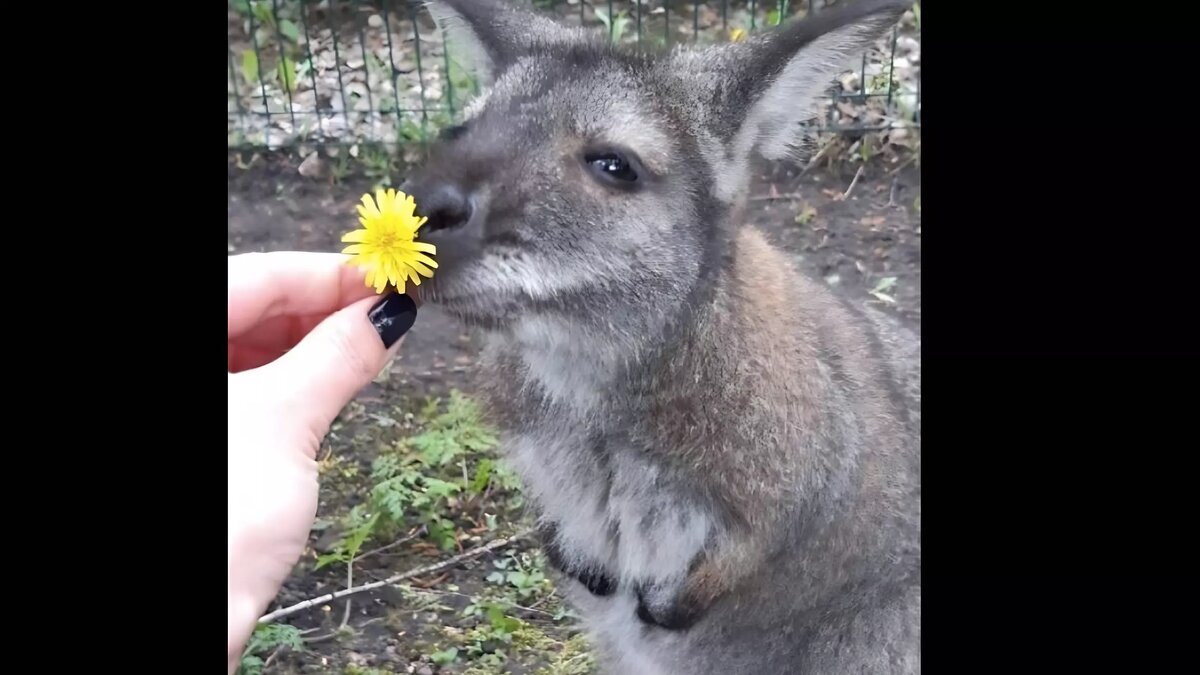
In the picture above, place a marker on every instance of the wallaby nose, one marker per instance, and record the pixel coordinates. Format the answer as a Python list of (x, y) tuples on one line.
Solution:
[(445, 205)]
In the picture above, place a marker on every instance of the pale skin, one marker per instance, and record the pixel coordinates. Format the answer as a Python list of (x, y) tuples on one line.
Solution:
[(300, 348)]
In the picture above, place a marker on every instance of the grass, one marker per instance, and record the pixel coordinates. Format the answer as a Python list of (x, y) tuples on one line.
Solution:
[(403, 486)]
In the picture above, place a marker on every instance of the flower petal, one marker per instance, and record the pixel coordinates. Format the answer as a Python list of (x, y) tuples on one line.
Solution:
[(421, 269), (369, 207), (354, 236), (405, 206), (390, 269), (424, 247), (418, 257)]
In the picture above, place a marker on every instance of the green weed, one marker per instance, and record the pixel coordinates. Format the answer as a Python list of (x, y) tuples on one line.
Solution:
[(266, 639), (420, 478)]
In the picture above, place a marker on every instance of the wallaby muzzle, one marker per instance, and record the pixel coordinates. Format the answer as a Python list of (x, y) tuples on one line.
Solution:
[(445, 204)]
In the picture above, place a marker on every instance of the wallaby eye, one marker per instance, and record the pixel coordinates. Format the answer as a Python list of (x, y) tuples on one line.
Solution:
[(612, 166)]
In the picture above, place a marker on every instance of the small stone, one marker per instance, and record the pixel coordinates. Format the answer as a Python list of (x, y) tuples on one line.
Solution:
[(375, 21), (312, 166), (424, 670)]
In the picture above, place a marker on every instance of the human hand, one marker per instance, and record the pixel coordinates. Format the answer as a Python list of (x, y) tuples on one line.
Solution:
[(305, 336)]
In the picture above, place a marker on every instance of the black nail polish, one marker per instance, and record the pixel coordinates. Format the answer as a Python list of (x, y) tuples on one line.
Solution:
[(392, 317)]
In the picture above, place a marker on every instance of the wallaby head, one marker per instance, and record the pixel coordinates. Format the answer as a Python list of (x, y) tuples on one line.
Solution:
[(588, 177)]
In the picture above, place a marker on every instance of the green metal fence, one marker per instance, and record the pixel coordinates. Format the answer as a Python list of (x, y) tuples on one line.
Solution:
[(330, 71)]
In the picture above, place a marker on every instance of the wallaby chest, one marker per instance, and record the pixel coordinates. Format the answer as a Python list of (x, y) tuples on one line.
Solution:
[(608, 505)]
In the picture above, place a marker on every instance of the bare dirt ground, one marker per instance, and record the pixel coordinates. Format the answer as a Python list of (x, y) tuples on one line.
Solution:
[(410, 438)]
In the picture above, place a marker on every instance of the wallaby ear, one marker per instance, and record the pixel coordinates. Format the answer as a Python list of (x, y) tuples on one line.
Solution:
[(760, 92), (495, 33)]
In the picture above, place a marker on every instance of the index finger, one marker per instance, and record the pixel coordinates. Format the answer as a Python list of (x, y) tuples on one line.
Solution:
[(266, 285)]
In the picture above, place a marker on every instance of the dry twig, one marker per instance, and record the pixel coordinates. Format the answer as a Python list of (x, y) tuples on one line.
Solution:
[(771, 198), (857, 175), (420, 571)]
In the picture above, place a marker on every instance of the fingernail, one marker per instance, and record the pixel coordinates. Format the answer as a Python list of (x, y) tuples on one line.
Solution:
[(392, 317)]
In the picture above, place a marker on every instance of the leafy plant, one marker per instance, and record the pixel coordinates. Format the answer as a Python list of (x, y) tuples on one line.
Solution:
[(883, 285), (866, 148), (458, 430), (444, 656), (574, 658), (616, 26), (807, 213), (487, 642), (272, 24), (290, 30), (265, 639), (359, 525), (418, 478), (287, 74), (377, 163), (775, 16), (459, 77), (521, 572), (250, 65)]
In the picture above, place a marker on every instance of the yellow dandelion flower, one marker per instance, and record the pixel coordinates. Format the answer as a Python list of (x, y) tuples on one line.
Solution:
[(737, 34), (385, 247)]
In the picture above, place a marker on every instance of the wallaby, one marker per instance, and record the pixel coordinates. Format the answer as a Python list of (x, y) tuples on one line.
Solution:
[(724, 457)]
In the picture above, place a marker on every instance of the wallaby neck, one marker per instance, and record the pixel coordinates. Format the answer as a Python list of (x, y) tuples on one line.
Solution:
[(611, 358)]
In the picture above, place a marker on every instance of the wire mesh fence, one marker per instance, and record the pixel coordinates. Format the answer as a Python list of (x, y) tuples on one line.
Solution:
[(349, 71)]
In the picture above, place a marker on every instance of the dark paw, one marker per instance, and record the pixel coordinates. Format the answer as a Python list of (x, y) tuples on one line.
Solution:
[(547, 533), (676, 616), (597, 583)]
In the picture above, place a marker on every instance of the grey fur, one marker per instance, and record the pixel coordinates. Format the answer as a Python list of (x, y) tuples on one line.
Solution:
[(725, 455)]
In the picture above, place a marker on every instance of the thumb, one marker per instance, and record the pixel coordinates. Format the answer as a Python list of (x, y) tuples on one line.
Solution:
[(342, 355)]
